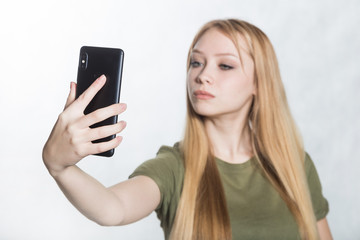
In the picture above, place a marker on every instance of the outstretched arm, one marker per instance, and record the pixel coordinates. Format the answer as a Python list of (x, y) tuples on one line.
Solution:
[(124, 203)]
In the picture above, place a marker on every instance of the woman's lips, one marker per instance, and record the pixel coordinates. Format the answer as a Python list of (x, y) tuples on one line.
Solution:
[(199, 94)]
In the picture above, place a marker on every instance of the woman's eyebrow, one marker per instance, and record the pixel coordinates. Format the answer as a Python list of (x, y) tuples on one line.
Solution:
[(196, 51), (217, 54), (227, 54)]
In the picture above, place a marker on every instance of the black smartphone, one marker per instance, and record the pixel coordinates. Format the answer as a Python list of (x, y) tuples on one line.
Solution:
[(93, 62)]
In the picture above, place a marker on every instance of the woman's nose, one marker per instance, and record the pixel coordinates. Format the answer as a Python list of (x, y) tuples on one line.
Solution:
[(204, 76)]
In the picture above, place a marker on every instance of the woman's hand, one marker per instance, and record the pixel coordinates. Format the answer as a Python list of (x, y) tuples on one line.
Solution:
[(70, 139)]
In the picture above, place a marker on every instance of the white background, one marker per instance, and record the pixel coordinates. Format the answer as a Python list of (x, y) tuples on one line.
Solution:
[(318, 47)]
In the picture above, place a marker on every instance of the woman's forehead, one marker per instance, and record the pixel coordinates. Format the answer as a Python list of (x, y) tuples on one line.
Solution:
[(214, 42)]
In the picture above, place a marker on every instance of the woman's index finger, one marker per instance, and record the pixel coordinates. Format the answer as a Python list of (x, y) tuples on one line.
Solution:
[(86, 97)]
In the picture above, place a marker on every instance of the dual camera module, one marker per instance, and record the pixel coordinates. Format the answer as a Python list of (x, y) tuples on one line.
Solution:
[(83, 61)]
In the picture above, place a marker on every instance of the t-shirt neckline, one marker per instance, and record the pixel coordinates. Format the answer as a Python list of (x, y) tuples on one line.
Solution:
[(227, 165)]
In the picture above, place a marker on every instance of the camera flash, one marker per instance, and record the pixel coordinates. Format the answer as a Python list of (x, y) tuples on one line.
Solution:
[(82, 61)]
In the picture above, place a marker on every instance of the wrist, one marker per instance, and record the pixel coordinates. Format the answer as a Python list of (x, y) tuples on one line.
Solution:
[(51, 164)]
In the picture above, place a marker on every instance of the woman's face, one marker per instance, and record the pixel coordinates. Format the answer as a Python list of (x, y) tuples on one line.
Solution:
[(217, 83)]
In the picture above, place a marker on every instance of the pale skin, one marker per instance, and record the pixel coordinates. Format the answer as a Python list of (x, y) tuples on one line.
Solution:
[(215, 69)]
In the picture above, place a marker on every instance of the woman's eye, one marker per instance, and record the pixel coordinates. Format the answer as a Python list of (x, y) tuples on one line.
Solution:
[(225, 67), (195, 64)]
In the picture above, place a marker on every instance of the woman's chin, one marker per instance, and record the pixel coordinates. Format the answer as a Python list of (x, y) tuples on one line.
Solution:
[(207, 113)]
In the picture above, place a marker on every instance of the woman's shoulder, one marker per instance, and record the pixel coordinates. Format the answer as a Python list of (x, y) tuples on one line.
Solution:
[(167, 164), (309, 164), (168, 158), (168, 152), (320, 204)]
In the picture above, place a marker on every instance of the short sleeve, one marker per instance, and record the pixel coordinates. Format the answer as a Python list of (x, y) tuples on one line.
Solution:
[(320, 204), (164, 170)]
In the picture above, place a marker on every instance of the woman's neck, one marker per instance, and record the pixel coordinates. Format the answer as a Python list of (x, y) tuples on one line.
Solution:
[(230, 138)]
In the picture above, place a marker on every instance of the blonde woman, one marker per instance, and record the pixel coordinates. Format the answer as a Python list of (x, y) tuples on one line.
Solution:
[(239, 173)]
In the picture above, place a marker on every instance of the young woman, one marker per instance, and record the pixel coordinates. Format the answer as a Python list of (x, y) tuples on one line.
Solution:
[(239, 173)]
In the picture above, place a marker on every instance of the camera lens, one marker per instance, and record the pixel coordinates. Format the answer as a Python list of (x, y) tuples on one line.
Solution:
[(83, 61)]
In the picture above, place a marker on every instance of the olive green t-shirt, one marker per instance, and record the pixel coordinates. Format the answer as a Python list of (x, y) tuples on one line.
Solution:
[(256, 209)]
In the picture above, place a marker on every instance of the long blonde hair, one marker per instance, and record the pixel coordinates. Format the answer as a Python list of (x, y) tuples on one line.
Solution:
[(202, 212)]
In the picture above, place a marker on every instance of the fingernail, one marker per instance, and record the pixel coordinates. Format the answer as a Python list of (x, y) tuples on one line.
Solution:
[(123, 105), (102, 78)]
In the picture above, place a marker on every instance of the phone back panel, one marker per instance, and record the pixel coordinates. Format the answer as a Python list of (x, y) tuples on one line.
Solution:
[(93, 62)]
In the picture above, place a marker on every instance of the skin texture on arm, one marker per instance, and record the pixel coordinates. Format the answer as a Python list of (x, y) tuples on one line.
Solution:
[(139, 197), (324, 230), (124, 203), (71, 140)]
